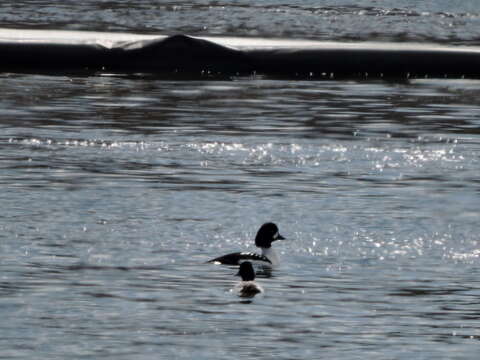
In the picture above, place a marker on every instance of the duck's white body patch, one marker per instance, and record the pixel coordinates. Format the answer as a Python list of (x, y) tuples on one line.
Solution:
[(271, 254)]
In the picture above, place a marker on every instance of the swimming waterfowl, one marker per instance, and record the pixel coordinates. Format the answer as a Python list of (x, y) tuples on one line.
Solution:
[(247, 287), (266, 235)]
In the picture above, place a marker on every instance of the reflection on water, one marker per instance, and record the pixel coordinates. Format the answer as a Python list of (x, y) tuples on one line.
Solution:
[(298, 109), (116, 191)]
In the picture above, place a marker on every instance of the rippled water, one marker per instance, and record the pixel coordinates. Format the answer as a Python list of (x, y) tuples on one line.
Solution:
[(115, 191), (450, 21)]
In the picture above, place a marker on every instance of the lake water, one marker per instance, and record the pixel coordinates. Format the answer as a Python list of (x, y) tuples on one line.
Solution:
[(116, 190)]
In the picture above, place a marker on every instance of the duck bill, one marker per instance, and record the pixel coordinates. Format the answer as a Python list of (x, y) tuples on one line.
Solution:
[(279, 237)]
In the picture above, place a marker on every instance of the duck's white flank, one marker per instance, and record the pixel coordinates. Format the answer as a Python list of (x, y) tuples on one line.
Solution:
[(271, 254)]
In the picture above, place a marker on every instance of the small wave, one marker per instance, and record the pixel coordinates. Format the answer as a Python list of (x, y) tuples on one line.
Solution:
[(39, 142)]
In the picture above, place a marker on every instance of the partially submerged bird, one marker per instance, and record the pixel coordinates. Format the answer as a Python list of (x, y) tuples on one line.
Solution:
[(266, 235), (247, 287)]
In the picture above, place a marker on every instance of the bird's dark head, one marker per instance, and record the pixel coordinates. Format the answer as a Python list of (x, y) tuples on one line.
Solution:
[(267, 234), (246, 271)]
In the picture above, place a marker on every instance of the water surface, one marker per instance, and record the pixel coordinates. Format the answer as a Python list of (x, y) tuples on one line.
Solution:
[(116, 190)]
